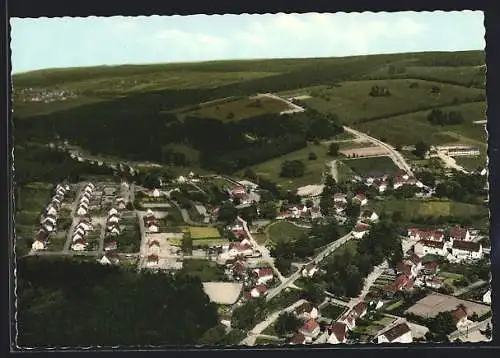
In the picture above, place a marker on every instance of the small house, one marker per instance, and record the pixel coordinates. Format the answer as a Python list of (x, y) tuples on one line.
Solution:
[(152, 260), (487, 297), (38, 245), (81, 211), (259, 290), (338, 333), (112, 211), (434, 282), (51, 210), (460, 233), (264, 275), (298, 338), (349, 319), (110, 245), (369, 215), (360, 309), (309, 270), (109, 259), (361, 230), (78, 245), (310, 329), (340, 198), (113, 219), (360, 199), (466, 250), (459, 317), (401, 333), (430, 268), (307, 311), (424, 247), (155, 193)]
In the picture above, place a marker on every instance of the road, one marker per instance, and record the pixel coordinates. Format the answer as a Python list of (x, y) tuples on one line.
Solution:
[(327, 251), (185, 216), (479, 326), (394, 154), (75, 220), (293, 107), (261, 326), (450, 162), (333, 170), (470, 287), (371, 278)]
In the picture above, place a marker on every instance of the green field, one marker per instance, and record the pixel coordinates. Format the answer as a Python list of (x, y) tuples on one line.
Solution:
[(210, 242), (471, 163), (364, 166), (237, 109), (352, 103), (418, 208), (314, 168), (203, 233), (205, 270), (409, 128), (282, 231)]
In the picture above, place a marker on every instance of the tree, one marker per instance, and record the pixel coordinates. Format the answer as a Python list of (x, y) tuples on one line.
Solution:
[(213, 336), (312, 156), (313, 293), (227, 213), (283, 265), (268, 210), (286, 323), (292, 169), (442, 324), (244, 316), (421, 149), (333, 149), (488, 331)]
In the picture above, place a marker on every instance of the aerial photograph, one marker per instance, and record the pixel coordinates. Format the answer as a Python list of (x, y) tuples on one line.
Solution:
[(250, 180)]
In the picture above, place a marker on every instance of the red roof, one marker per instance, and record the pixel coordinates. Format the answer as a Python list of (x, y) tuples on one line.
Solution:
[(466, 245), (339, 329), (432, 243), (359, 308), (360, 197), (360, 227), (153, 243), (153, 258), (415, 259), (310, 324), (265, 271), (431, 265), (401, 281), (458, 233), (261, 288), (298, 338), (403, 268), (239, 246), (458, 314)]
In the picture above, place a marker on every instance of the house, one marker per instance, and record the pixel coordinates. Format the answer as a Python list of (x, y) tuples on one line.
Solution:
[(434, 282), (466, 250), (113, 219), (48, 227), (401, 333), (79, 230), (369, 215), (81, 211), (460, 233), (338, 333), (349, 319), (121, 205), (340, 207), (310, 329), (50, 219), (264, 275), (360, 309), (259, 290), (155, 193), (238, 270), (238, 192), (309, 270), (112, 211), (114, 230), (431, 268), (38, 245), (340, 198), (51, 210), (149, 213), (85, 225), (418, 234), (109, 259), (307, 311), (152, 227), (78, 245), (487, 297), (237, 248), (110, 245), (361, 199), (381, 187), (360, 230), (77, 236), (424, 247), (298, 338), (415, 261), (152, 260), (459, 317)]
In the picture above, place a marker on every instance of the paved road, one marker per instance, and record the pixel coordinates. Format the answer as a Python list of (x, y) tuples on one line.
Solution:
[(261, 326), (479, 326), (470, 287), (327, 251), (395, 155), (74, 222)]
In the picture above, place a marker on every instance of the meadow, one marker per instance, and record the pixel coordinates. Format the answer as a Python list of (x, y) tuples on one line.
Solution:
[(365, 166), (282, 231)]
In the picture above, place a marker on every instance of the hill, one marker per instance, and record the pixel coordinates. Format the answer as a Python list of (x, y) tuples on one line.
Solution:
[(155, 112)]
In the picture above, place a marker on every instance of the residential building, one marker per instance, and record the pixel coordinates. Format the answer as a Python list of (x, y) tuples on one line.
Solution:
[(237, 248), (459, 317), (361, 230), (466, 250), (424, 247), (153, 227), (360, 309), (112, 211), (309, 270), (401, 333), (78, 245), (307, 311), (310, 329), (434, 282), (431, 268), (487, 297), (369, 215), (259, 290), (38, 245), (263, 275), (418, 234), (349, 319), (338, 333), (361, 199), (298, 338), (340, 198), (109, 258), (460, 233), (152, 260)]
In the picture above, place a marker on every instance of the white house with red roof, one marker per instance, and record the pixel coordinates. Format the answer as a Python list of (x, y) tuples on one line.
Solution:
[(460, 233), (425, 247), (400, 333), (466, 250), (340, 198), (263, 275), (38, 245), (51, 210), (307, 311), (349, 319), (361, 199), (152, 260), (309, 270), (338, 333), (78, 245), (361, 230), (259, 290), (238, 248), (419, 234), (360, 309), (310, 329), (153, 227)]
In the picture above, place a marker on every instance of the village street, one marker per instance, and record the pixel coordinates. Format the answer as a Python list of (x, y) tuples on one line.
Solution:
[(449, 162), (102, 222), (372, 277), (261, 326)]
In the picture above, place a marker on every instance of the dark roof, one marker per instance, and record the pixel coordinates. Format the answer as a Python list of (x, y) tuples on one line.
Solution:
[(431, 243), (466, 245), (339, 329), (431, 265), (359, 308), (305, 307), (42, 235), (458, 232), (298, 338), (397, 331), (415, 259), (458, 314)]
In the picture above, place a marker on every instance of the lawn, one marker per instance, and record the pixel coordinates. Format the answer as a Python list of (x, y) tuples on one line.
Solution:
[(471, 163), (314, 169), (365, 166), (205, 270), (129, 240), (395, 305), (352, 103), (332, 311), (420, 208), (237, 109), (203, 233), (409, 128), (210, 242), (260, 238), (282, 231)]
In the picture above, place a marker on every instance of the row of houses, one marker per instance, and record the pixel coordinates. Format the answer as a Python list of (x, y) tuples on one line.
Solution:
[(48, 218), (83, 204), (80, 232), (383, 182)]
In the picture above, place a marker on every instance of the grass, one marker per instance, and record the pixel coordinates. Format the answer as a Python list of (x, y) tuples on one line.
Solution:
[(409, 128), (282, 231), (203, 233), (260, 238), (314, 169), (352, 103), (395, 305), (237, 109), (210, 242), (364, 166), (471, 163), (205, 270), (419, 208), (344, 172), (332, 311)]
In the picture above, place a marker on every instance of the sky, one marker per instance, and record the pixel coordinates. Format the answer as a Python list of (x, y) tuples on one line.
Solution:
[(93, 41)]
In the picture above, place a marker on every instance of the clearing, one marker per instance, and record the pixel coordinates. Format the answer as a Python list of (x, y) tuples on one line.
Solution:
[(282, 231), (206, 271), (366, 166), (201, 233)]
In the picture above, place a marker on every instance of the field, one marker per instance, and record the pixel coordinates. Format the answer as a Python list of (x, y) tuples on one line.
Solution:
[(284, 232), (202, 233), (471, 163), (432, 304), (409, 128), (237, 109), (205, 270), (314, 168), (365, 166), (210, 242), (364, 151), (353, 104), (416, 208)]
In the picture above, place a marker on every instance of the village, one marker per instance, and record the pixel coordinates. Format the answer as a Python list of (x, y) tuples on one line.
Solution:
[(122, 223)]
